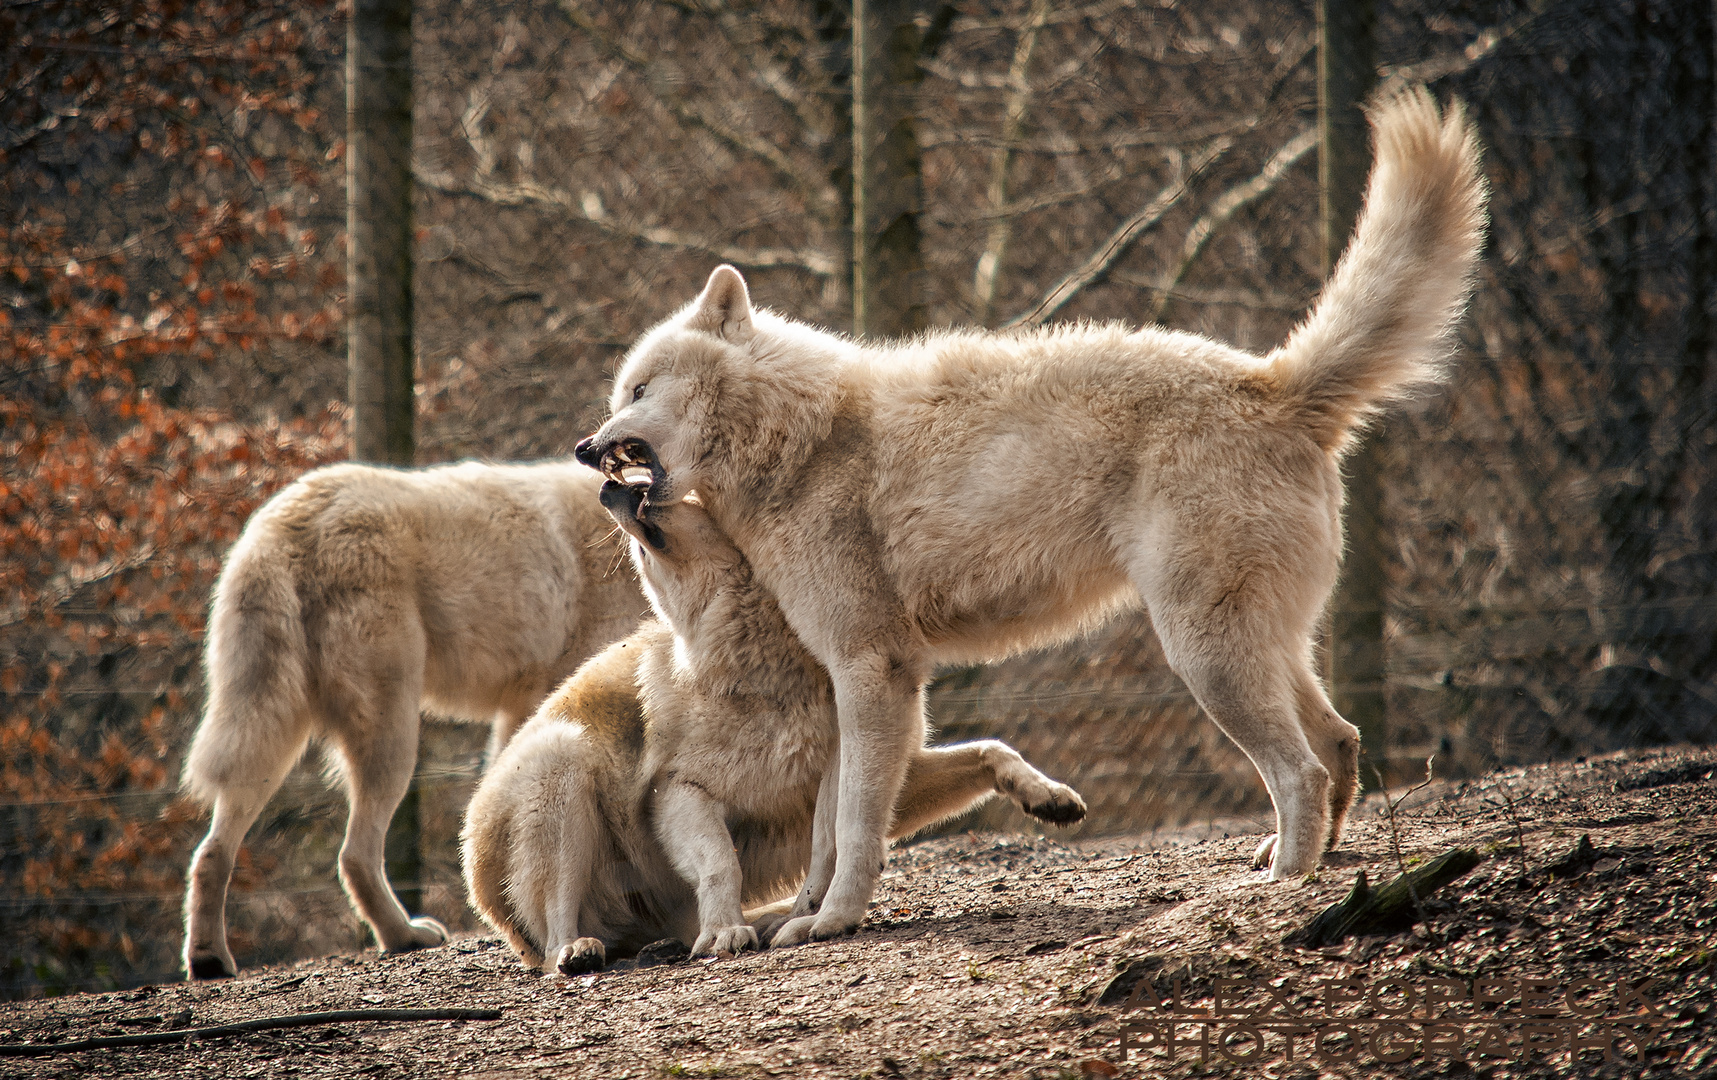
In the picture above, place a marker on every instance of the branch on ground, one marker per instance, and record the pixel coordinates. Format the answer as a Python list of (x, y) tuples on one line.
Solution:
[(1390, 908)]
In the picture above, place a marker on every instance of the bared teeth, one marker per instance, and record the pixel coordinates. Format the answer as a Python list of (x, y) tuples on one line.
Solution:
[(629, 463)]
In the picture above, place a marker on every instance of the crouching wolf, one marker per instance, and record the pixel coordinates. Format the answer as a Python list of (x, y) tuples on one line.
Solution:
[(964, 495), (672, 781), (357, 595)]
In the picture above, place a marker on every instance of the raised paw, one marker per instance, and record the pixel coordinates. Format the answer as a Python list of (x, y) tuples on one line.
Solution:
[(1058, 805), (584, 955), (726, 939)]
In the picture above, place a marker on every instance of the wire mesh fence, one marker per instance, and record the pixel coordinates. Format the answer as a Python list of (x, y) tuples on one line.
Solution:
[(1551, 545)]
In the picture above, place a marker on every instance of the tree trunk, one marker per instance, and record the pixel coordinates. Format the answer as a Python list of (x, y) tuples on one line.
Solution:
[(888, 265), (1347, 71), (834, 35), (378, 225), (378, 276)]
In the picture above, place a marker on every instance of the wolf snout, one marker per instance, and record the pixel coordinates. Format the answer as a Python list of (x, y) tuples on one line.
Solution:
[(628, 505), (588, 452)]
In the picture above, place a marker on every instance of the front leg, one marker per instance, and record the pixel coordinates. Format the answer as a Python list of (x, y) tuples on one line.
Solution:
[(691, 828), (881, 711)]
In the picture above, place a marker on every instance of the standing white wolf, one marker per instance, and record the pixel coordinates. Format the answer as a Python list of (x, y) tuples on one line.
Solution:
[(357, 595), (672, 781), (965, 495)]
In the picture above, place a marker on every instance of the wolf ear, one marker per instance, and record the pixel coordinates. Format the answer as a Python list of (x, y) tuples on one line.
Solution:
[(724, 307)]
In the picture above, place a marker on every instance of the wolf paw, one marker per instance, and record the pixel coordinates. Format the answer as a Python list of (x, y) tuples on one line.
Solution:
[(1265, 854), (768, 925), (423, 932), (210, 966), (793, 932), (1060, 805), (726, 939), (584, 955), (1268, 858), (829, 925)]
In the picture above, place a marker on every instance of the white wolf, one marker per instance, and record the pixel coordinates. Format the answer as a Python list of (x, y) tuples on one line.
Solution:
[(672, 781), (355, 596), (964, 495)]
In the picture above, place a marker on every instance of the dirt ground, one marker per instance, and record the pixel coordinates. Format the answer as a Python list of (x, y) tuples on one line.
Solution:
[(989, 955)]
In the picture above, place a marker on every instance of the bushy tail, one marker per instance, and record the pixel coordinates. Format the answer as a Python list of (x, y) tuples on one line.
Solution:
[(257, 722), (1384, 322)]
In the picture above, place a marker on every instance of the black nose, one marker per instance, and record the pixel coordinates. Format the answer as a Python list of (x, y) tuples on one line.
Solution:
[(587, 453)]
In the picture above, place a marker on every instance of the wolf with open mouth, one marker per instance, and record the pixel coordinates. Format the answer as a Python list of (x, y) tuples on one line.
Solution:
[(965, 495)]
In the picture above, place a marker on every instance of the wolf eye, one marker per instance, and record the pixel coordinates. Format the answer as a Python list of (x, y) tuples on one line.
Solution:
[(638, 391)]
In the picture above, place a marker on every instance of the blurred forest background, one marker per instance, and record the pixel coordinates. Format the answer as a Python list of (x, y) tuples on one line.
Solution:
[(172, 352)]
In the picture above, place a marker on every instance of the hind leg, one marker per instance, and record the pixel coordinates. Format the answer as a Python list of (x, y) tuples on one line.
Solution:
[(1336, 743), (1234, 572), (1245, 664), (378, 767), (573, 953), (207, 955), (822, 869), (1255, 708)]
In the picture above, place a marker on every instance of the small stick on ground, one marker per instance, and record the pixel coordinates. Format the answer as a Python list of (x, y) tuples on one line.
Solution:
[(1395, 839), (1519, 835)]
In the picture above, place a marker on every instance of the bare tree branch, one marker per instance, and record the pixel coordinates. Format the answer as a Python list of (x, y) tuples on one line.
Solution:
[(1075, 14), (1441, 67), (1232, 200), (13, 140), (1111, 172), (985, 80), (1225, 207), (1062, 144), (1001, 161), (1121, 239), (587, 206), (745, 31), (660, 82), (66, 585), (1244, 298)]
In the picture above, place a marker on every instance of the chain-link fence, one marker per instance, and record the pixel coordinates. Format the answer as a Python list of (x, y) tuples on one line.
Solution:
[(1551, 548)]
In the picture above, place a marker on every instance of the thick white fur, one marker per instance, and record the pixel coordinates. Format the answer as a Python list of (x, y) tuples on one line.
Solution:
[(965, 495), (672, 782), (359, 595)]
